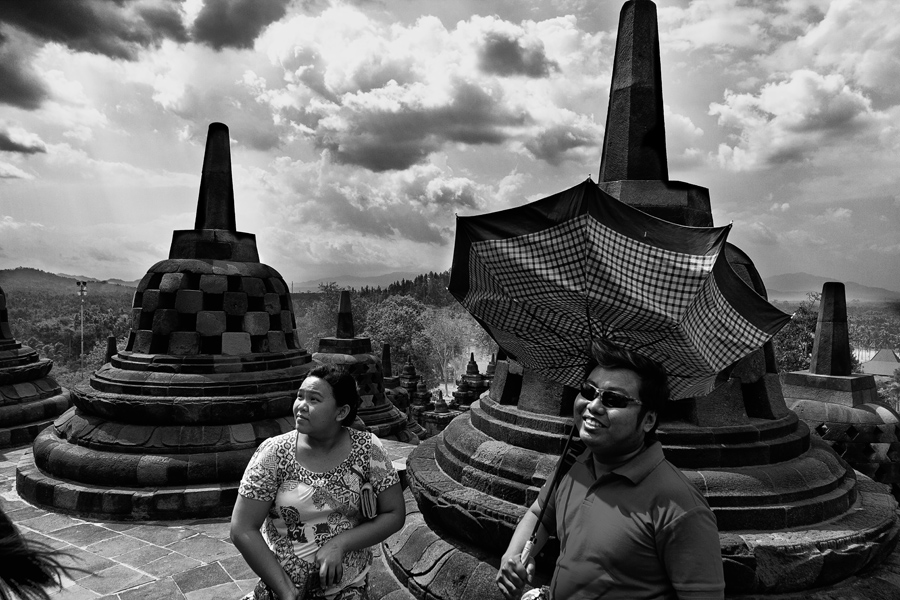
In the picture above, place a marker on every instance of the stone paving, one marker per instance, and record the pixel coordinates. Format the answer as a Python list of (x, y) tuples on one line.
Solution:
[(152, 560)]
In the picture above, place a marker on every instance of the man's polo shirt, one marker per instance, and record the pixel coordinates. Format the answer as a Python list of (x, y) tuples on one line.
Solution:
[(642, 531)]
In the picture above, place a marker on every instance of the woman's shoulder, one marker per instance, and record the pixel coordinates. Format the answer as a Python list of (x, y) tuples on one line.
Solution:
[(278, 443)]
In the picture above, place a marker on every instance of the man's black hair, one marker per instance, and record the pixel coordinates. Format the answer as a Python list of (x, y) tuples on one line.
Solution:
[(343, 386)]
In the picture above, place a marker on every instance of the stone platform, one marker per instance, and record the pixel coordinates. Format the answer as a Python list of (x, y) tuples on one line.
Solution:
[(153, 560)]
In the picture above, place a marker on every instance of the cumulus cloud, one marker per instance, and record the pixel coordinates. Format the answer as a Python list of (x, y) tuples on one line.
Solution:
[(8, 171), (236, 23), (857, 38), (759, 233), (835, 215), (510, 53), (386, 97), (16, 139), (790, 119), (9, 223), (22, 84), (115, 29)]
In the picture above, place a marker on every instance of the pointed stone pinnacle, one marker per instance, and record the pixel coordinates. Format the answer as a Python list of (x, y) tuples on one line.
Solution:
[(345, 329), (215, 206), (831, 348), (634, 146)]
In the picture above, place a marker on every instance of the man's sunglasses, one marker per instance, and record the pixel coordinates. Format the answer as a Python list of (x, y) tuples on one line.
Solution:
[(608, 398)]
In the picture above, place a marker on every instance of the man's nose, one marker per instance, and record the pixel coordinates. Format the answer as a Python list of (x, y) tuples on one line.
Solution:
[(596, 406)]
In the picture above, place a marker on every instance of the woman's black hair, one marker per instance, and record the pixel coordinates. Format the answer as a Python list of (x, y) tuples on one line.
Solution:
[(27, 567), (343, 386)]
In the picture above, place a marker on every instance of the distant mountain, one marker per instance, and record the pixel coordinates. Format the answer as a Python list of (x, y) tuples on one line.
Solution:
[(793, 287), (89, 279), (26, 278), (352, 281)]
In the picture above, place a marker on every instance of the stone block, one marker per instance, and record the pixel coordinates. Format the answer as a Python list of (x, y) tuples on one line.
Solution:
[(165, 321), (142, 340), (277, 342), (253, 286), (287, 324), (189, 301), (235, 303), (278, 285), (235, 343), (183, 343), (136, 318), (540, 395), (211, 322), (150, 300), (172, 282), (144, 282), (213, 284), (272, 303), (256, 323)]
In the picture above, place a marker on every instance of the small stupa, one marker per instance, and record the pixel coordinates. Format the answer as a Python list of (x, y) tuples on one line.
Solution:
[(840, 406), (354, 354), (165, 429), (29, 397)]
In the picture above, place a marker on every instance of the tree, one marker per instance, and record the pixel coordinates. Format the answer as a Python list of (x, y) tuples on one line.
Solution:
[(794, 343), (398, 322), (449, 334)]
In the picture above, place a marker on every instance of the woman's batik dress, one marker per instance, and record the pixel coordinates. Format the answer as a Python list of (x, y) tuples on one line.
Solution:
[(310, 508)]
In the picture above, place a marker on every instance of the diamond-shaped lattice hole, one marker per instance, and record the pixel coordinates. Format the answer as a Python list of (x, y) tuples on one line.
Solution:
[(840, 448), (822, 429), (852, 432)]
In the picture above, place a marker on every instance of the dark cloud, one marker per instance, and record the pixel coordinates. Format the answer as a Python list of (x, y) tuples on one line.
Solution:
[(382, 140), (236, 23), (336, 211), (505, 56), (553, 144), (114, 28), (22, 86), (7, 144)]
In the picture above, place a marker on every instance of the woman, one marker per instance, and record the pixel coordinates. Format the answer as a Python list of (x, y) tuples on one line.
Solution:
[(304, 488)]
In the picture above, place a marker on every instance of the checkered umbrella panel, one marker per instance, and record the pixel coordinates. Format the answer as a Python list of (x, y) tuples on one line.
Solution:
[(547, 278)]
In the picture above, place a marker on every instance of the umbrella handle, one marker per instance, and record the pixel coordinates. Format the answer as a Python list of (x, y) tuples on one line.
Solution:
[(526, 552)]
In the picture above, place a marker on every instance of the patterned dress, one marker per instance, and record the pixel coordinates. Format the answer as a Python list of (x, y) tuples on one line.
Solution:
[(310, 508)]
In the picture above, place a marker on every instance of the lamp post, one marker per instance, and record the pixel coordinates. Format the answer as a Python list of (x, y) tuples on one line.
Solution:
[(82, 292)]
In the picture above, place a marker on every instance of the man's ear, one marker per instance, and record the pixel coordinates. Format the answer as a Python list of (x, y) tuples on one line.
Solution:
[(649, 421)]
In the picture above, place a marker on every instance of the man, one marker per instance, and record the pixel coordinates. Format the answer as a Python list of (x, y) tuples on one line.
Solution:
[(630, 525)]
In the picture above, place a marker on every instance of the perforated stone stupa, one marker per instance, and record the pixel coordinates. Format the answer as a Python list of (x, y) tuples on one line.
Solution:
[(29, 397), (792, 515), (211, 368), (843, 407), (354, 354)]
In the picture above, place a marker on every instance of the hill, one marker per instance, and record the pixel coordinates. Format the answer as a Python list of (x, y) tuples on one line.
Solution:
[(35, 280), (793, 287)]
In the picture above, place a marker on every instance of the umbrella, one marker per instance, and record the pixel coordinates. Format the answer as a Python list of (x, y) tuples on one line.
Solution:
[(546, 278)]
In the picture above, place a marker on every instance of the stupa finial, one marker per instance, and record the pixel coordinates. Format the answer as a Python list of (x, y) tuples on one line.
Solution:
[(215, 207), (634, 145)]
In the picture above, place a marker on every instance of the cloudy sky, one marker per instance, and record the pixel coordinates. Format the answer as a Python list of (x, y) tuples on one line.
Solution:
[(360, 128)]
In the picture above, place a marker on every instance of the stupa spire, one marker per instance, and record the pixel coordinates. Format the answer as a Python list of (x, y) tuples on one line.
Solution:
[(635, 142), (215, 206)]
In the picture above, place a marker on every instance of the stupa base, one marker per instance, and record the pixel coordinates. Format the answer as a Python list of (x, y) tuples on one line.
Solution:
[(123, 503), (796, 560)]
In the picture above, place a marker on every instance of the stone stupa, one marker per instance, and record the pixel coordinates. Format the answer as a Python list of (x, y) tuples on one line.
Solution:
[(211, 369), (792, 515), (354, 354), (30, 399)]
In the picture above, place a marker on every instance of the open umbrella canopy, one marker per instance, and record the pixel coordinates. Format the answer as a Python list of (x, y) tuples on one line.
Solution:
[(547, 278)]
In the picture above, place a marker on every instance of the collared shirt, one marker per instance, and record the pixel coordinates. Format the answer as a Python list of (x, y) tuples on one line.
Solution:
[(641, 531)]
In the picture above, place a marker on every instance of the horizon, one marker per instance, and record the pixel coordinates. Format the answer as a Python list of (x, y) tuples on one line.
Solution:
[(336, 279), (359, 130)]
